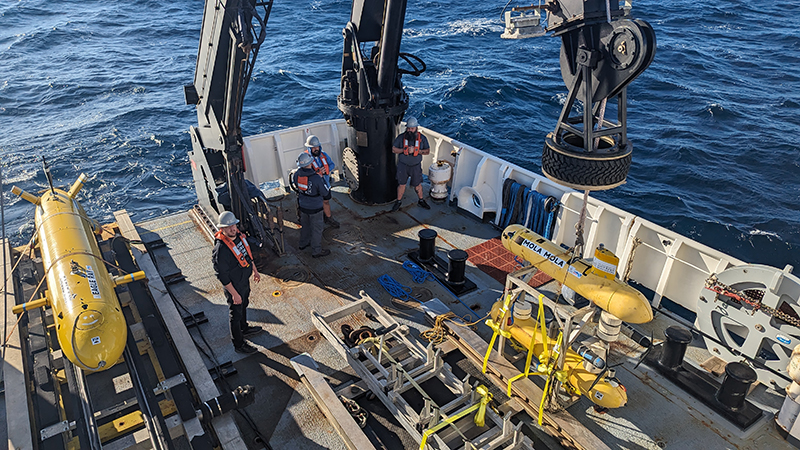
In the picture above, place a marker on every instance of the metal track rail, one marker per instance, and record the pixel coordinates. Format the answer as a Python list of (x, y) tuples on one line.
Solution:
[(88, 437), (151, 413), (71, 418)]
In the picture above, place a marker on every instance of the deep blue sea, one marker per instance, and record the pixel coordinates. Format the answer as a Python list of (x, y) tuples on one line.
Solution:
[(96, 86)]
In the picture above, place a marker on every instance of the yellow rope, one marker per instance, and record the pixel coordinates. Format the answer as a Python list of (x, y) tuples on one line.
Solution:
[(438, 333)]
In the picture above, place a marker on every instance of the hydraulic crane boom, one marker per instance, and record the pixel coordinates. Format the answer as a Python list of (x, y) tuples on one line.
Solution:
[(372, 98), (232, 33)]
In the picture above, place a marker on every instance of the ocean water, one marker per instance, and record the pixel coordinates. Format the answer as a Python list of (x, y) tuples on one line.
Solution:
[(96, 86)]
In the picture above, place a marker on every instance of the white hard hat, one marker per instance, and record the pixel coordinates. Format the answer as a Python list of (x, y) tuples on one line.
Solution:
[(312, 141), (411, 122), (304, 159), (227, 219)]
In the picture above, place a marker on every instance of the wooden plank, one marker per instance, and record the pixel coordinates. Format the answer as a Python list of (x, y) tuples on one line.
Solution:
[(352, 435), (18, 424), (500, 370), (228, 434)]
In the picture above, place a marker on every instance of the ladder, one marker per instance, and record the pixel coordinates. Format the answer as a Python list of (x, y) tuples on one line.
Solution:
[(395, 367)]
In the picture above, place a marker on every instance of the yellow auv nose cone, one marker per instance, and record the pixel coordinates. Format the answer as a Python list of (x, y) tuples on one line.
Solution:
[(98, 339), (631, 306)]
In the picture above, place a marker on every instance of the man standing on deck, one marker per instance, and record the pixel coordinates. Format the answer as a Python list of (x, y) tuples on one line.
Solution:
[(323, 165), (410, 147), (233, 265), (312, 191)]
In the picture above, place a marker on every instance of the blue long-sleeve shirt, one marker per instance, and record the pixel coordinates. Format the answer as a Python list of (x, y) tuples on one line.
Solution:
[(316, 190)]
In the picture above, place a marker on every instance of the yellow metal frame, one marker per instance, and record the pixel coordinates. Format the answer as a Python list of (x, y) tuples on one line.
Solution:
[(556, 359)]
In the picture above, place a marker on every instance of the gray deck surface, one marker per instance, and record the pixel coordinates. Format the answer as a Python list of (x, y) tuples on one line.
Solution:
[(372, 242)]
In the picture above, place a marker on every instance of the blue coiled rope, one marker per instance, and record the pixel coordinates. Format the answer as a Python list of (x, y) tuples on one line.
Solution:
[(394, 288), (418, 273)]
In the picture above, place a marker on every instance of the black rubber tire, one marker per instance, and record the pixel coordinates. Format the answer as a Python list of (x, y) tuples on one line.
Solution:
[(582, 171)]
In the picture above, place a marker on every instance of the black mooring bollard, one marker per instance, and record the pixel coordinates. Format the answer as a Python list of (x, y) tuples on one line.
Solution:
[(456, 266), (427, 244), (674, 349), (738, 378)]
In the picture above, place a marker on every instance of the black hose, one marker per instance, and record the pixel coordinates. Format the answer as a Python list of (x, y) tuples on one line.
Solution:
[(417, 71)]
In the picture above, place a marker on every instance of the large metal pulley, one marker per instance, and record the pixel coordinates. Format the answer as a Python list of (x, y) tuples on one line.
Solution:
[(589, 151)]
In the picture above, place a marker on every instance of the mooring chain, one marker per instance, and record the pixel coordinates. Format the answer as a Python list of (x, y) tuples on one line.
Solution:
[(713, 284), (578, 248), (629, 266)]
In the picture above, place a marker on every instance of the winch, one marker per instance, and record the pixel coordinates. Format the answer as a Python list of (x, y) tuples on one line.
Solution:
[(753, 310)]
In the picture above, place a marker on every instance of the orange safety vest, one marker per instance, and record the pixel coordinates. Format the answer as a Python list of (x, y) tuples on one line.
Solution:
[(406, 148), (302, 183), (234, 249), (323, 169)]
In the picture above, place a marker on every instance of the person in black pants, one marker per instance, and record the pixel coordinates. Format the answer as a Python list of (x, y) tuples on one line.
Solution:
[(233, 265)]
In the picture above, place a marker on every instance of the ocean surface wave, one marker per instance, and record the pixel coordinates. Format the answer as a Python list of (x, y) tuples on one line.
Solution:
[(97, 87)]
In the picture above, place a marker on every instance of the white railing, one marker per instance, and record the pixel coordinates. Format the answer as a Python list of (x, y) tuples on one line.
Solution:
[(670, 265)]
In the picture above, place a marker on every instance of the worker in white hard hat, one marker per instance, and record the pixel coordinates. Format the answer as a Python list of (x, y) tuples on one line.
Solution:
[(233, 265), (312, 191), (323, 165), (410, 147)]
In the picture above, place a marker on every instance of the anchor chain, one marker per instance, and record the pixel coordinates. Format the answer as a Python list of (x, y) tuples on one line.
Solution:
[(713, 284)]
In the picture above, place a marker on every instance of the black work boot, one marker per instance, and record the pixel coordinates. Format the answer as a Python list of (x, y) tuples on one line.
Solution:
[(246, 348), (397, 204), (332, 222), (423, 203)]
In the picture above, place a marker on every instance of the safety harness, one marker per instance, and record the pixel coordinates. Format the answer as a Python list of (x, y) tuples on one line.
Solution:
[(235, 249), (408, 150)]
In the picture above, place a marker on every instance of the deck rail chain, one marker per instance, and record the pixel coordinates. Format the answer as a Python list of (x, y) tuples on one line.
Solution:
[(392, 364), (753, 299)]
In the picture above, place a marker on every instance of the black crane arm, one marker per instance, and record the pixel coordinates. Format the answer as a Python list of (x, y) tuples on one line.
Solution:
[(231, 35), (372, 98)]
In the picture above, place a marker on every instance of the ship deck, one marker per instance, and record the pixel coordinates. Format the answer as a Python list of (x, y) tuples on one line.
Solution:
[(372, 242)]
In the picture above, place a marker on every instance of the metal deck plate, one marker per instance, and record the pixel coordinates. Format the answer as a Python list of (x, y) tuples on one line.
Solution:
[(372, 242)]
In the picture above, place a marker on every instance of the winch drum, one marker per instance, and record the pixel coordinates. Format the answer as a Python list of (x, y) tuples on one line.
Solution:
[(751, 330)]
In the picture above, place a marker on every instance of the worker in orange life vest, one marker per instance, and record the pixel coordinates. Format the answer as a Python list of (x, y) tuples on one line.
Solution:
[(323, 165), (233, 265), (410, 147), (312, 191)]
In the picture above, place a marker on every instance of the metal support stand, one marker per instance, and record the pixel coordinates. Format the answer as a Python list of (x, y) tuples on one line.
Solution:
[(572, 324)]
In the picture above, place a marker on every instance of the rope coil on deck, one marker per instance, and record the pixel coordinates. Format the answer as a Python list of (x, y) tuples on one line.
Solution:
[(394, 288)]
